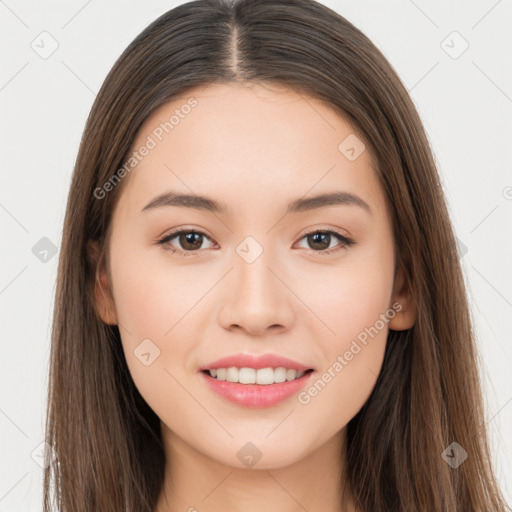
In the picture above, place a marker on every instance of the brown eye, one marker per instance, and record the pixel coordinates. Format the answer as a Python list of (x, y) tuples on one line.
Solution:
[(188, 241), (320, 241), (191, 241)]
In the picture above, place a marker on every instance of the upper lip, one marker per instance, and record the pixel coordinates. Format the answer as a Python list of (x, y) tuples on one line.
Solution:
[(257, 362)]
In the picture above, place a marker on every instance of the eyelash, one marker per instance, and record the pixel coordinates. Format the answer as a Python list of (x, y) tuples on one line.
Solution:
[(345, 241)]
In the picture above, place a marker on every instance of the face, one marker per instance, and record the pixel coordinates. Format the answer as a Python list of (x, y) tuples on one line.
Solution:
[(270, 271)]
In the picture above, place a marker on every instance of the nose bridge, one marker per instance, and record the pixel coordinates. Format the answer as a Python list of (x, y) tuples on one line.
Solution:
[(259, 300), (256, 285), (253, 274)]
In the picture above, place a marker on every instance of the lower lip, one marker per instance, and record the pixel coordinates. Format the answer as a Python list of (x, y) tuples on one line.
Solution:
[(256, 395)]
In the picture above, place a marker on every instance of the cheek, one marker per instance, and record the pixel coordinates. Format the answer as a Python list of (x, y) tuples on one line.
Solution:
[(355, 307), (339, 390), (349, 297), (158, 298), (152, 294), (152, 301), (352, 358)]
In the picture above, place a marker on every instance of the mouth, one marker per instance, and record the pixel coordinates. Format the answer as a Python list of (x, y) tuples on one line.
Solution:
[(256, 388), (259, 376)]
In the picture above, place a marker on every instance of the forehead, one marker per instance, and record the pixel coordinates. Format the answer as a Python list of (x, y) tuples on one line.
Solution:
[(265, 139), (252, 112)]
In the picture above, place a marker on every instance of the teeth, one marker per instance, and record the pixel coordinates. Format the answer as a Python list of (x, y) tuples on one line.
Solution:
[(246, 375), (232, 374), (264, 376)]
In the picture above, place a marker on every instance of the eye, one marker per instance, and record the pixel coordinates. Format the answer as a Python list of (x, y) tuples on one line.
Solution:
[(320, 241), (191, 241)]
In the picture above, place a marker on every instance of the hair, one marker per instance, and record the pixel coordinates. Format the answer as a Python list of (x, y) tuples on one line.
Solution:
[(106, 441)]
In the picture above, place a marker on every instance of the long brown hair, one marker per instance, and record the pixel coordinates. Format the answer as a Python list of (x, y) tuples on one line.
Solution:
[(105, 439)]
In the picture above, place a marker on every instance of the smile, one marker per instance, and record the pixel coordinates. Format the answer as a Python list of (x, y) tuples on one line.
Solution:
[(256, 395), (263, 376)]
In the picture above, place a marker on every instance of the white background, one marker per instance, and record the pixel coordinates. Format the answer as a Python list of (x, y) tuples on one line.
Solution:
[(465, 103)]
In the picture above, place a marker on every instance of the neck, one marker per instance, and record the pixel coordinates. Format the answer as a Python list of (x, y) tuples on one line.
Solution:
[(195, 482)]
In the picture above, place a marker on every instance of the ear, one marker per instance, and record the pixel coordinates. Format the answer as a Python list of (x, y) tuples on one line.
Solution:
[(104, 300), (402, 295)]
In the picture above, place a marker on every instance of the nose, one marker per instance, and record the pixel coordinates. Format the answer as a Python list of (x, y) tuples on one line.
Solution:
[(260, 298)]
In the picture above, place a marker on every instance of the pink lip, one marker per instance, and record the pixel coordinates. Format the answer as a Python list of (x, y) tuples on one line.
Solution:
[(255, 395), (263, 361)]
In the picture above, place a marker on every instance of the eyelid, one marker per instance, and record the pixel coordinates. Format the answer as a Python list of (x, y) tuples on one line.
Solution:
[(326, 229)]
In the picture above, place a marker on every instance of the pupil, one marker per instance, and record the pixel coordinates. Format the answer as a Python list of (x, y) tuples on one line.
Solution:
[(191, 238), (324, 242)]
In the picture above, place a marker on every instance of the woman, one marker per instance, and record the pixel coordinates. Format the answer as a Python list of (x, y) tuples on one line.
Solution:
[(317, 353)]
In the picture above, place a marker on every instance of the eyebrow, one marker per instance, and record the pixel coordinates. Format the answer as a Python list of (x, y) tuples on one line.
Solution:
[(196, 202)]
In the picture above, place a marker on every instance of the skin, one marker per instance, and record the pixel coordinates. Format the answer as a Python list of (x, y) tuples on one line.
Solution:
[(256, 149)]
